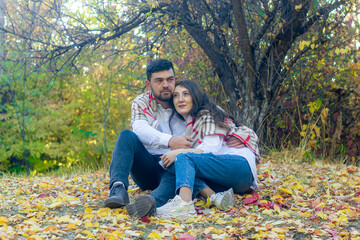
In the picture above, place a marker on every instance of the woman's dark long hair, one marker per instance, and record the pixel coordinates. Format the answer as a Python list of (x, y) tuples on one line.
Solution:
[(201, 102)]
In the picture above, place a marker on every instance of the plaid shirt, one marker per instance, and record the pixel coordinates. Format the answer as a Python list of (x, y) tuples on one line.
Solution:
[(144, 107), (205, 125)]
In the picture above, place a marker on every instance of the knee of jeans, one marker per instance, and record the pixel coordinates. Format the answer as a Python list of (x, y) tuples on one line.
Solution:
[(127, 135), (182, 156)]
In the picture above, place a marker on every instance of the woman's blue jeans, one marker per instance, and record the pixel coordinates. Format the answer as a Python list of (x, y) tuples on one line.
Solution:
[(219, 172)]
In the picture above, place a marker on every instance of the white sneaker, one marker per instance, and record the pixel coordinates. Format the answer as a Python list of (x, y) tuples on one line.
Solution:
[(177, 208), (223, 200)]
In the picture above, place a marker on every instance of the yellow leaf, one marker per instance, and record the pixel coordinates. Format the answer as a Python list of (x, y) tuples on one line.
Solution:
[(317, 131), (337, 51), (70, 225), (88, 216), (88, 210), (104, 212), (280, 230), (305, 214), (322, 215), (285, 190), (133, 190), (311, 191), (55, 205), (284, 215), (208, 203), (342, 218), (298, 7), (64, 219), (88, 224), (3, 221), (220, 221), (154, 235)]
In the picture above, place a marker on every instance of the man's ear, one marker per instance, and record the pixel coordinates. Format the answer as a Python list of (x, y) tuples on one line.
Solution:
[(148, 85)]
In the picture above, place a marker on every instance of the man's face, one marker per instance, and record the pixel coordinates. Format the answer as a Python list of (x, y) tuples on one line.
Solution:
[(162, 84)]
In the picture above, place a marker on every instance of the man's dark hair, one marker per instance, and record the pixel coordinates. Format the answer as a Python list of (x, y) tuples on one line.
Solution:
[(158, 66)]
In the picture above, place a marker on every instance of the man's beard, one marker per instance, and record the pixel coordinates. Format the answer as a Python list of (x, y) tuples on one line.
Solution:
[(166, 98)]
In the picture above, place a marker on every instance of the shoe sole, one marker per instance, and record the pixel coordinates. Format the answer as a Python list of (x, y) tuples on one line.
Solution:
[(228, 200), (113, 203), (141, 207)]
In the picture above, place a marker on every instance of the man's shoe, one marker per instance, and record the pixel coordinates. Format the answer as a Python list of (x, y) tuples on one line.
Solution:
[(141, 207), (177, 208), (223, 200), (118, 197)]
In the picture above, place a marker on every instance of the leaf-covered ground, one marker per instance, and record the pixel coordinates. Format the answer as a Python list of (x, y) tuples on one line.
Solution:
[(296, 201)]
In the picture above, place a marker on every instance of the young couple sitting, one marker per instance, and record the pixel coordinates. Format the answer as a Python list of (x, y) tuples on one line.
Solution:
[(209, 156)]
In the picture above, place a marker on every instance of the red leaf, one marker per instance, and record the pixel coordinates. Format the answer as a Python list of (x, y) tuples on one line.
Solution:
[(46, 195), (358, 194), (186, 237), (145, 219), (333, 233), (208, 236), (252, 200)]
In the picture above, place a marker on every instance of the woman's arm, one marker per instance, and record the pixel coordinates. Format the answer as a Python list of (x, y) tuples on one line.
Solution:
[(169, 157), (210, 143)]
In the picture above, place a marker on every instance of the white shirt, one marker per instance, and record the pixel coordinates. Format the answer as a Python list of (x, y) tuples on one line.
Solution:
[(216, 145), (156, 140)]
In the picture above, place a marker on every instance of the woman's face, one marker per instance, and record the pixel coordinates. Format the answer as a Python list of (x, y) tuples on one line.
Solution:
[(183, 101)]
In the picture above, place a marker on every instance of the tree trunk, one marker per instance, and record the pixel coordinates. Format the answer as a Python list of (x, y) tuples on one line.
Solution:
[(2, 34)]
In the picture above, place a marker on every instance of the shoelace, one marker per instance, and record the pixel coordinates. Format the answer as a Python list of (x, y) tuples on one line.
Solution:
[(116, 189), (171, 202)]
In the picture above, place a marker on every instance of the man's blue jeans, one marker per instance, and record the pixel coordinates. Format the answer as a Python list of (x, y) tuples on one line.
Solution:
[(220, 172), (131, 157)]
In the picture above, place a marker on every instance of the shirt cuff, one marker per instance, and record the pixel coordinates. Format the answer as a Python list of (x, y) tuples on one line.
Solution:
[(164, 140)]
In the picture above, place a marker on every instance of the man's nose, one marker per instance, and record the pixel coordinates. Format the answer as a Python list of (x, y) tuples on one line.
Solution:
[(166, 84)]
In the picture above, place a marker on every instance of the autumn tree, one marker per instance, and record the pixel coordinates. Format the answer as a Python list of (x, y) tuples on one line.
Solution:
[(251, 45), (252, 48)]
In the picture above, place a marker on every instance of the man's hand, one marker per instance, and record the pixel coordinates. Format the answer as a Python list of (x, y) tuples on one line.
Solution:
[(181, 141), (234, 142)]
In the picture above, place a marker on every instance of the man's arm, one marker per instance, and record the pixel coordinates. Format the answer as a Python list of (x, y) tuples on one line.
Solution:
[(156, 139)]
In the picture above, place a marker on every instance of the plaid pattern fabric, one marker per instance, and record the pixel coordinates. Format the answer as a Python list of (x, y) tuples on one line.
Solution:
[(144, 107), (248, 137), (205, 125)]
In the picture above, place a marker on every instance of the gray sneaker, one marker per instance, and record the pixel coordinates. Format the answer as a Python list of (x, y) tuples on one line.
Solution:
[(118, 197), (223, 200)]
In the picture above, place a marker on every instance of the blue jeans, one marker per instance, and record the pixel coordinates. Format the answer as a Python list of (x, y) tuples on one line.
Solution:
[(131, 157), (220, 172), (166, 189)]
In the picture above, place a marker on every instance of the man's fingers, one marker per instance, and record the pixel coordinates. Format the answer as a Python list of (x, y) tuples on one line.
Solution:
[(189, 139)]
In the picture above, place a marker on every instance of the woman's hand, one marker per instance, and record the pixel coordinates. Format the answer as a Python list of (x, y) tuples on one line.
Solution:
[(169, 157)]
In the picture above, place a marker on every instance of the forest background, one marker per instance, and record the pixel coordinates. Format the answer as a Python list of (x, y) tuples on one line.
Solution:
[(69, 69)]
